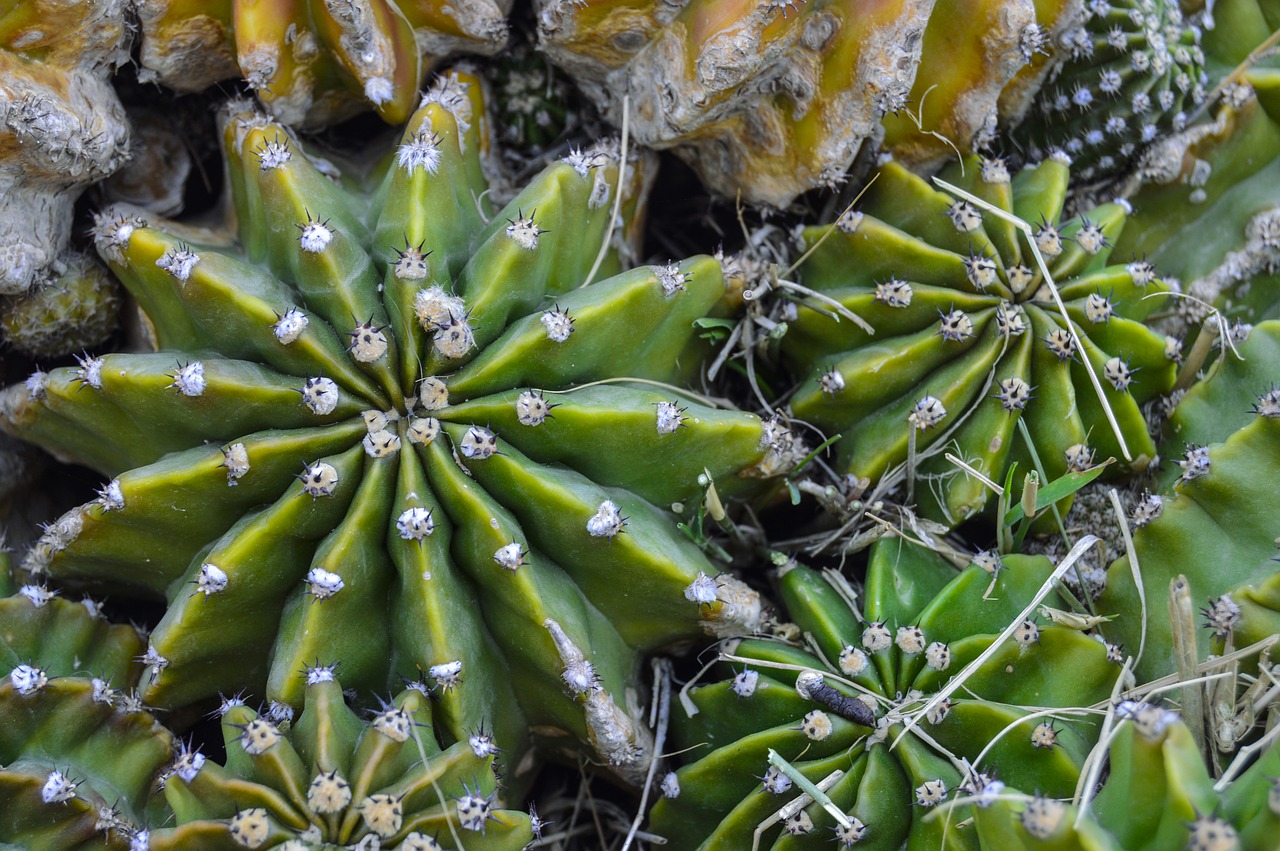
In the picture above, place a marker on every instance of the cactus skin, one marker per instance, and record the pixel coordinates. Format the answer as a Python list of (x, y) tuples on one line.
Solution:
[(325, 779), (74, 311), (314, 62), (1207, 210), (1217, 528), (1087, 107), (721, 798), (771, 99), (902, 265), (545, 570), (62, 713), (1159, 795), (61, 125)]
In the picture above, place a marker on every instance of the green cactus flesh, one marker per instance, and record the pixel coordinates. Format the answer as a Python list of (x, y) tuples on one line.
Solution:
[(417, 445), (315, 62), (78, 756), (1130, 71), (921, 624), (329, 779), (1158, 795), (1215, 526), (967, 338)]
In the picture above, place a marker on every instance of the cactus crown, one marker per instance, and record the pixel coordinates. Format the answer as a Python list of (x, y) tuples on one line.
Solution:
[(968, 342), (366, 444)]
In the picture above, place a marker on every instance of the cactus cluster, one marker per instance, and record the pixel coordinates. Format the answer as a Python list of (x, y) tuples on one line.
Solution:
[(410, 450)]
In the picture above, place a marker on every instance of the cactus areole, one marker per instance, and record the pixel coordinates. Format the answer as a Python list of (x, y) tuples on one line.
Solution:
[(400, 432)]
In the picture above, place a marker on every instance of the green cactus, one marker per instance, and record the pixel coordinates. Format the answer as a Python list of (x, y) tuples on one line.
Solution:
[(770, 99), (78, 756), (844, 699), (314, 62), (330, 779), (1129, 72), (967, 340), (74, 311), (1158, 795), (61, 125), (1207, 210), (1216, 525), (420, 445)]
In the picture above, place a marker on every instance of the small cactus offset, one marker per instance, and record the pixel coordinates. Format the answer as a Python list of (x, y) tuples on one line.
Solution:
[(314, 62), (78, 756), (966, 337), (71, 312), (915, 700), (328, 778), (418, 438), (61, 125), (1127, 73)]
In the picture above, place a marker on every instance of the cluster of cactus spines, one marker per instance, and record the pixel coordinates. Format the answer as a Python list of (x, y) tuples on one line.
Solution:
[(861, 692), (78, 755), (326, 777), (408, 441), (770, 99), (1127, 73), (968, 336), (312, 63), (73, 311), (1215, 526), (1158, 795), (61, 125)]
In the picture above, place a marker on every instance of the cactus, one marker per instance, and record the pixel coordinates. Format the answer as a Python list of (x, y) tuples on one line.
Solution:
[(329, 779), (314, 62), (72, 312), (877, 695), (1215, 527), (1127, 73), (418, 445), (968, 343), (78, 757), (773, 98), (1207, 207), (1158, 795), (61, 126)]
